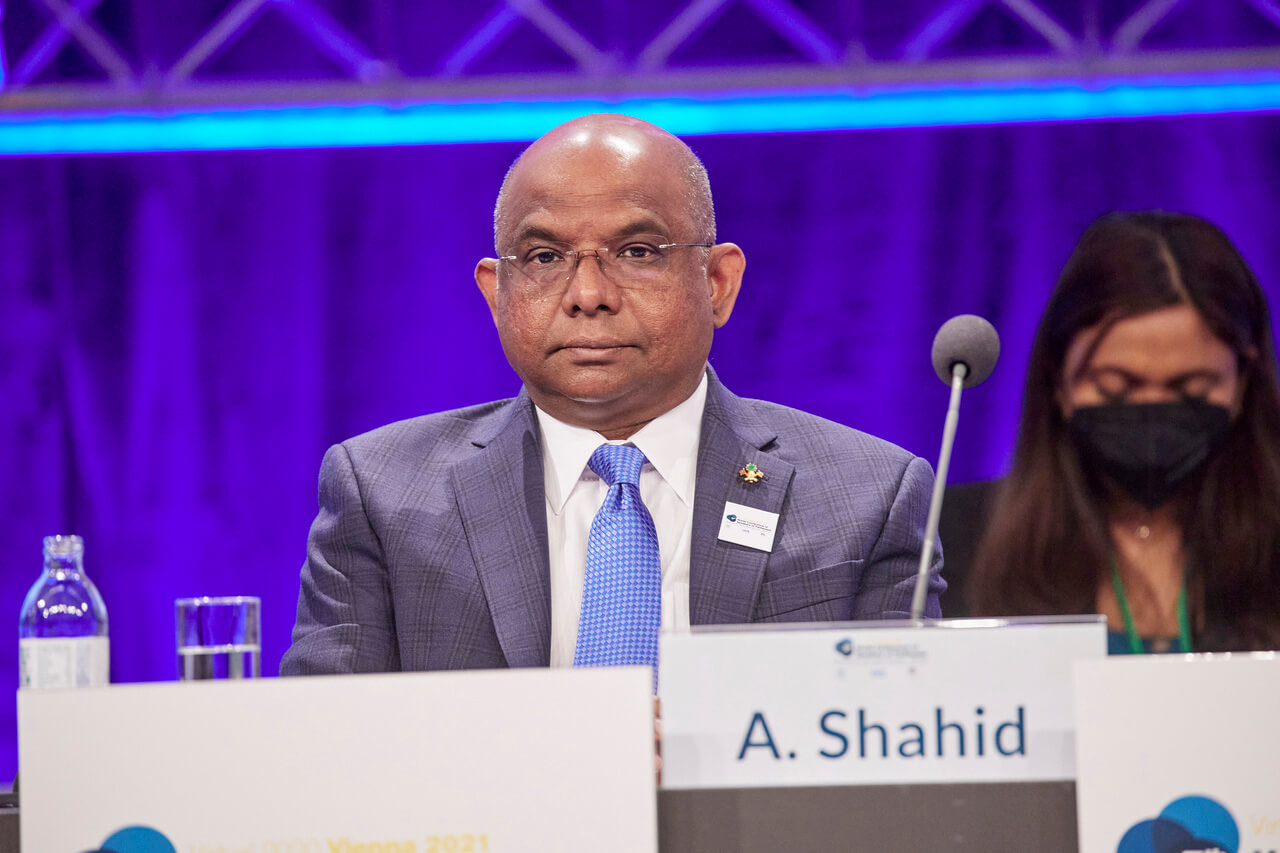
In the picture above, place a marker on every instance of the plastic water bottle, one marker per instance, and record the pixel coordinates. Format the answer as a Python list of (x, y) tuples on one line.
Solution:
[(62, 634)]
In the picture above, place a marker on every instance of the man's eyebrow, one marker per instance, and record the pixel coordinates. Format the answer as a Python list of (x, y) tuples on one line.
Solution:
[(535, 233), (642, 226)]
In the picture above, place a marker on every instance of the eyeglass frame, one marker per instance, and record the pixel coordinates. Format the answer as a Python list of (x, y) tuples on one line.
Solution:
[(577, 255)]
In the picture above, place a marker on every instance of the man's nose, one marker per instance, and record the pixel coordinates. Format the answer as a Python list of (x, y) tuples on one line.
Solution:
[(590, 287)]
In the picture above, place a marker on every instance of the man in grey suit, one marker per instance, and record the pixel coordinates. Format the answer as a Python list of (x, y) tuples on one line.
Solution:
[(459, 540)]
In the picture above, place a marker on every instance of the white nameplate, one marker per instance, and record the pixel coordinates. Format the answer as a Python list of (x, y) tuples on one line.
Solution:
[(1181, 750), (472, 762), (872, 703), (746, 525)]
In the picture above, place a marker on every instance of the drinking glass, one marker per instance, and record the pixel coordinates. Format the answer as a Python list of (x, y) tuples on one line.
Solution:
[(218, 637)]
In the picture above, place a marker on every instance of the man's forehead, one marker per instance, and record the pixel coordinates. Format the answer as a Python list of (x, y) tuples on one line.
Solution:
[(571, 206), (601, 209), (626, 142), (600, 166), (621, 137)]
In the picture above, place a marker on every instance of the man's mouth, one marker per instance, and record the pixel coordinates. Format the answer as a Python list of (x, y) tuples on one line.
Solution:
[(588, 347)]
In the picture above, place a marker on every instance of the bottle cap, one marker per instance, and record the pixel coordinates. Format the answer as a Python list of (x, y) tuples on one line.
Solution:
[(63, 545)]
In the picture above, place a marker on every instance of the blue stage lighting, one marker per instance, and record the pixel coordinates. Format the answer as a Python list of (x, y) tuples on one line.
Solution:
[(329, 126)]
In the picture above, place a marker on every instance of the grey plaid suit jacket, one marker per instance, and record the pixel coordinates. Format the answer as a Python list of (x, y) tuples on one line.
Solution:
[(430, 548)]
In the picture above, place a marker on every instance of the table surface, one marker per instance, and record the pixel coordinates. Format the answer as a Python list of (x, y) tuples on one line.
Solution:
[(989, 816), (992, 817)]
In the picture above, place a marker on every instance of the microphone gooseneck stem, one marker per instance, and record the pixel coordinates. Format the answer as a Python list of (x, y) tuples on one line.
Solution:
[(958, 372)]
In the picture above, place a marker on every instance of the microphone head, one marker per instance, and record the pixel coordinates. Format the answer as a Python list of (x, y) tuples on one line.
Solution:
[(970, 340)]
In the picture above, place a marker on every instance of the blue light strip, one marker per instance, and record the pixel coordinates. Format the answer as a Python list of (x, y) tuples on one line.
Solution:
[(205, 129)]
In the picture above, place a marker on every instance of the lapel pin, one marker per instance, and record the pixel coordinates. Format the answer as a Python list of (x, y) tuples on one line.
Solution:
[(750, 474)]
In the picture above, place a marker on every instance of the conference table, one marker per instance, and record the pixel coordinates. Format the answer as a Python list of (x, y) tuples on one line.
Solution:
[(988, 817)]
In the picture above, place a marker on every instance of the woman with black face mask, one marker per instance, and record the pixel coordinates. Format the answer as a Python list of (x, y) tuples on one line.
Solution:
[(1146, 480)]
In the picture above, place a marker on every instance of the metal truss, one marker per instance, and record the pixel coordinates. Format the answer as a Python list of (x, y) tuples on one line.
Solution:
[(94, 54)]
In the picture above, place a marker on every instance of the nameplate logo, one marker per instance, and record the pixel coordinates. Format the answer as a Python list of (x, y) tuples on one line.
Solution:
[(1191, 824), (880, 652)]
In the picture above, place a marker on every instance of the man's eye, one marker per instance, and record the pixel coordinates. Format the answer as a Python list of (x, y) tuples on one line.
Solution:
[(638, 252), (542, 257)]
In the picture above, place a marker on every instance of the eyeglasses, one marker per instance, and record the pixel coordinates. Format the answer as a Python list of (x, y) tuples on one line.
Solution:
[(633, 258)]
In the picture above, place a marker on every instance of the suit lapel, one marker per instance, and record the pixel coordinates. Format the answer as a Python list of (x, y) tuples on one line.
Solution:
[(501, 499), (724, 578)]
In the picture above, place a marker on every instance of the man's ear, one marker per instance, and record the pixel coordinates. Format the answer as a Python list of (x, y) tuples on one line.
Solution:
[(724, 274), (487, 281)]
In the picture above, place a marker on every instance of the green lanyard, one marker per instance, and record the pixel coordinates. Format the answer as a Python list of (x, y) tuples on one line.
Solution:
[(1135, 642)]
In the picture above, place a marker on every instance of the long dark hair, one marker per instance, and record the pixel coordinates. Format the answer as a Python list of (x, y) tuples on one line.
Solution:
[(1048, 544)]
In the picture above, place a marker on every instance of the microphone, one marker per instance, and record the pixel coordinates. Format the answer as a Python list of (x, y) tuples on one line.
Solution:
[(966, 340), (965, 351)]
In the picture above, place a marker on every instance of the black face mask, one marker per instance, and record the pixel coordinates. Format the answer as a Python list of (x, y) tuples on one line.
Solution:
[(1149, 449)]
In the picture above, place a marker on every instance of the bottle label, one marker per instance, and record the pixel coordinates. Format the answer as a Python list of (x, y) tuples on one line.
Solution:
[(64, 662)]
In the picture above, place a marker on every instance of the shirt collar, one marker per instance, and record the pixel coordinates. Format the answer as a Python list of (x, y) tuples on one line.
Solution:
[(669, 443)]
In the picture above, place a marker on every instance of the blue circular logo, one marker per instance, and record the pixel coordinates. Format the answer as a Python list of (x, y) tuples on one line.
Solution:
[(732, 517), (1188, 823), (138, 839)]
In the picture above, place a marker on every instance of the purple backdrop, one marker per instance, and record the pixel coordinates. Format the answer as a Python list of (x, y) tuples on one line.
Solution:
[(185, 334)]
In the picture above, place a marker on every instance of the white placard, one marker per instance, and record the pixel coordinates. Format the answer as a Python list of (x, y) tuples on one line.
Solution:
[(872, 703), (470, 762), (1179, 753), (746, 525)]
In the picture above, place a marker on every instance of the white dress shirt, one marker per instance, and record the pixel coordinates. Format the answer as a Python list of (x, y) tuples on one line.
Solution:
[(575, 494)]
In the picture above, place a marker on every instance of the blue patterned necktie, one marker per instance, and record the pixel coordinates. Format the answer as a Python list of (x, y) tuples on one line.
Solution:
[(622, 595)]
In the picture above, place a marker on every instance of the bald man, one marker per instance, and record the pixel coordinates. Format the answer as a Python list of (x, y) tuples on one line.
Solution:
[(468, 539)]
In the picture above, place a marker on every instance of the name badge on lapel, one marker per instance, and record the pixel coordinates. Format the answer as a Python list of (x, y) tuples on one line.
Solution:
[(746, 525)]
